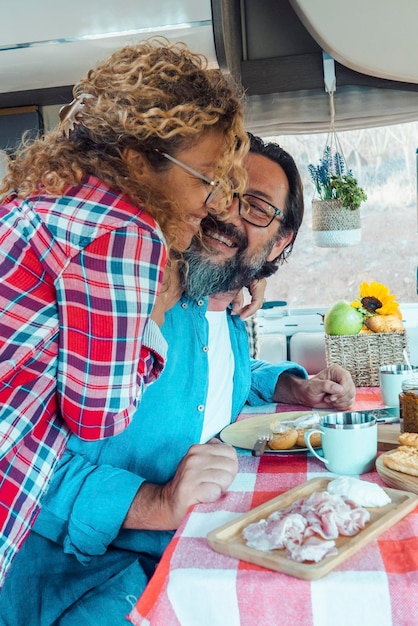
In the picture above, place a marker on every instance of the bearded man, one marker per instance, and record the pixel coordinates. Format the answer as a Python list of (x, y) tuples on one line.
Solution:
[(113, 505)]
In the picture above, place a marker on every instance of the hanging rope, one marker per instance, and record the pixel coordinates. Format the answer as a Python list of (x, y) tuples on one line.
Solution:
[(336, 164), (333, 225)]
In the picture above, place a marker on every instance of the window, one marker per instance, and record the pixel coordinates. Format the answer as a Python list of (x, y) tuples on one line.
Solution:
[(384, 162)]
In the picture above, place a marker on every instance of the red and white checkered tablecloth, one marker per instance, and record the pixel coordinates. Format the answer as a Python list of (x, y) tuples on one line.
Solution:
[(196, 586)]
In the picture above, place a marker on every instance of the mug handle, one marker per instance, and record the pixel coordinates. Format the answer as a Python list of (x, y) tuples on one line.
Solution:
[(307, 438)]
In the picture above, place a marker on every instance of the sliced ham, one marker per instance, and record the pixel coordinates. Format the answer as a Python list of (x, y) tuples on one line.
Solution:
[(313, 549), (275, 533), (307, 528)]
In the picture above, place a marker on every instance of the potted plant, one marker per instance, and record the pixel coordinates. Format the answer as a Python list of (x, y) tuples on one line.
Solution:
[(336, 213)]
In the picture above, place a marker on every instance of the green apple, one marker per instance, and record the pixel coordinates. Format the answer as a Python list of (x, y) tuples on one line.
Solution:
[(343, 319)]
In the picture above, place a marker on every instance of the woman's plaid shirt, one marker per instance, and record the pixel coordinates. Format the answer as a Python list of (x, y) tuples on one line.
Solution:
[(78, 279)]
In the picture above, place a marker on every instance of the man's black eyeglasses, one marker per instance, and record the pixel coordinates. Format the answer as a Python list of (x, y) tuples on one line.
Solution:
[(257, 211)]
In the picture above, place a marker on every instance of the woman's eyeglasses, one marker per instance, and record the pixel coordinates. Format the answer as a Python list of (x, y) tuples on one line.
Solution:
[(252, 209), (257, 211), (216, 185)]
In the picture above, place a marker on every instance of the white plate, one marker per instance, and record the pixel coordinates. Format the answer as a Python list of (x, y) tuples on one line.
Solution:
[(244, 433)]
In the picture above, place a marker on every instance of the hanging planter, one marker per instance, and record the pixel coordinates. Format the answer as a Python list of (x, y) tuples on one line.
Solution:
[(336, 213), (334, 226), (336, 210)]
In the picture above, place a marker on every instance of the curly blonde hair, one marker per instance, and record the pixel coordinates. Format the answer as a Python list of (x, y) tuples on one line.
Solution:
[(150, 97)]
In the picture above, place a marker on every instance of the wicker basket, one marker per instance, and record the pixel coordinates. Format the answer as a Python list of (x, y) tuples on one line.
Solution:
[(363, 354), (333, 225)]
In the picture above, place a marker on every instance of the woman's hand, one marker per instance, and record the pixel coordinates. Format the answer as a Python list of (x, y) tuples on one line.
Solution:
[(257, 290)]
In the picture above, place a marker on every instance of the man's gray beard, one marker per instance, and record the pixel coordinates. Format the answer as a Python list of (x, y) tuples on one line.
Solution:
[(206, 278)]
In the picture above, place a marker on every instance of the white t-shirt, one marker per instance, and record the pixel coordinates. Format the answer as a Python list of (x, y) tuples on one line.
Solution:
[(221, 372)]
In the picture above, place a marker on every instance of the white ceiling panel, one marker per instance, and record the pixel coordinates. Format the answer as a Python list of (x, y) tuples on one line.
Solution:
[(375, 37), (53, 43), (26, 20)]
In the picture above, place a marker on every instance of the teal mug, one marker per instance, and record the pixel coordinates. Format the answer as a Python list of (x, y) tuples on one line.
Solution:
[(349, 442)]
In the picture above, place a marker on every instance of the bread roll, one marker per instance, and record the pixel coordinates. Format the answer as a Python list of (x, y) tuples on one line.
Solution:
[(408, 439), (404, 459), (284, 440), (315, 438)]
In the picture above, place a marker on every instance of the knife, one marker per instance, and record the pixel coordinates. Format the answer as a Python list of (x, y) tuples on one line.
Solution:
[(388, 415), (260, 445)]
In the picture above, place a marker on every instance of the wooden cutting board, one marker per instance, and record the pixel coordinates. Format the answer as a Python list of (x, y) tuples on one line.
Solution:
[(387, 436), (228, 539), (391, 477)]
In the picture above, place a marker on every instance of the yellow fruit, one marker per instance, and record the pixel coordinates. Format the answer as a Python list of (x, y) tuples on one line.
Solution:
[(384, 324), (365, 331)]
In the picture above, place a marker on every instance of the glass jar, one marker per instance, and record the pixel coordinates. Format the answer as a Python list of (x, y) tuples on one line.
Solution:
[(408, 405)]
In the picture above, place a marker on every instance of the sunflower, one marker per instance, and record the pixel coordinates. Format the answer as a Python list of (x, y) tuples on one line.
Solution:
[(376, 298)]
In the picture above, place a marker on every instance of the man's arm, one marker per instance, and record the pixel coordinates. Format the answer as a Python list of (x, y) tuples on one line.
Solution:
[(203, 475), (264, 379), (333, 388), (88, 505)]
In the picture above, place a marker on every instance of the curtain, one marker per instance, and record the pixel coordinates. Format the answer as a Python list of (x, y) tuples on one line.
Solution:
[(305, 112)]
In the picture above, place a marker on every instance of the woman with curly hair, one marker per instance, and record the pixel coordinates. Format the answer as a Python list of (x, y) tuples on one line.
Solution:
[(88, 212)]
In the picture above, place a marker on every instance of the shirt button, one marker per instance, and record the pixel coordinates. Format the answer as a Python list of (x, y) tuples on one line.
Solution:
[(201, 408), (200, 302), (205, 348), (184, 305)]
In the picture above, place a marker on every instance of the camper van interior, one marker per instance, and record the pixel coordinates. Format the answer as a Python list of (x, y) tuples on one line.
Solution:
[(314, 72), (288, 55)]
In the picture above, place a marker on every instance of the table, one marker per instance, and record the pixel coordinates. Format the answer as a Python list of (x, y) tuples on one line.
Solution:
[(196, 586)]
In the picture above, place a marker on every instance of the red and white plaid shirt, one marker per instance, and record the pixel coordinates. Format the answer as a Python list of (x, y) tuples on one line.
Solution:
[(79, 275)]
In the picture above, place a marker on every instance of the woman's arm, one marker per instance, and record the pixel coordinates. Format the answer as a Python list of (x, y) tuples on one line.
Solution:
[(105, 298)]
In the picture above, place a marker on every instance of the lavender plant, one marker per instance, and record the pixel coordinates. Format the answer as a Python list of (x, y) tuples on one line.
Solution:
[(334, 182)]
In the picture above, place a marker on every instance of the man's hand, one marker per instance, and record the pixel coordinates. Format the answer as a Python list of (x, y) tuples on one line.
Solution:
[(203, 475), (332, 388), (257, 289)]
